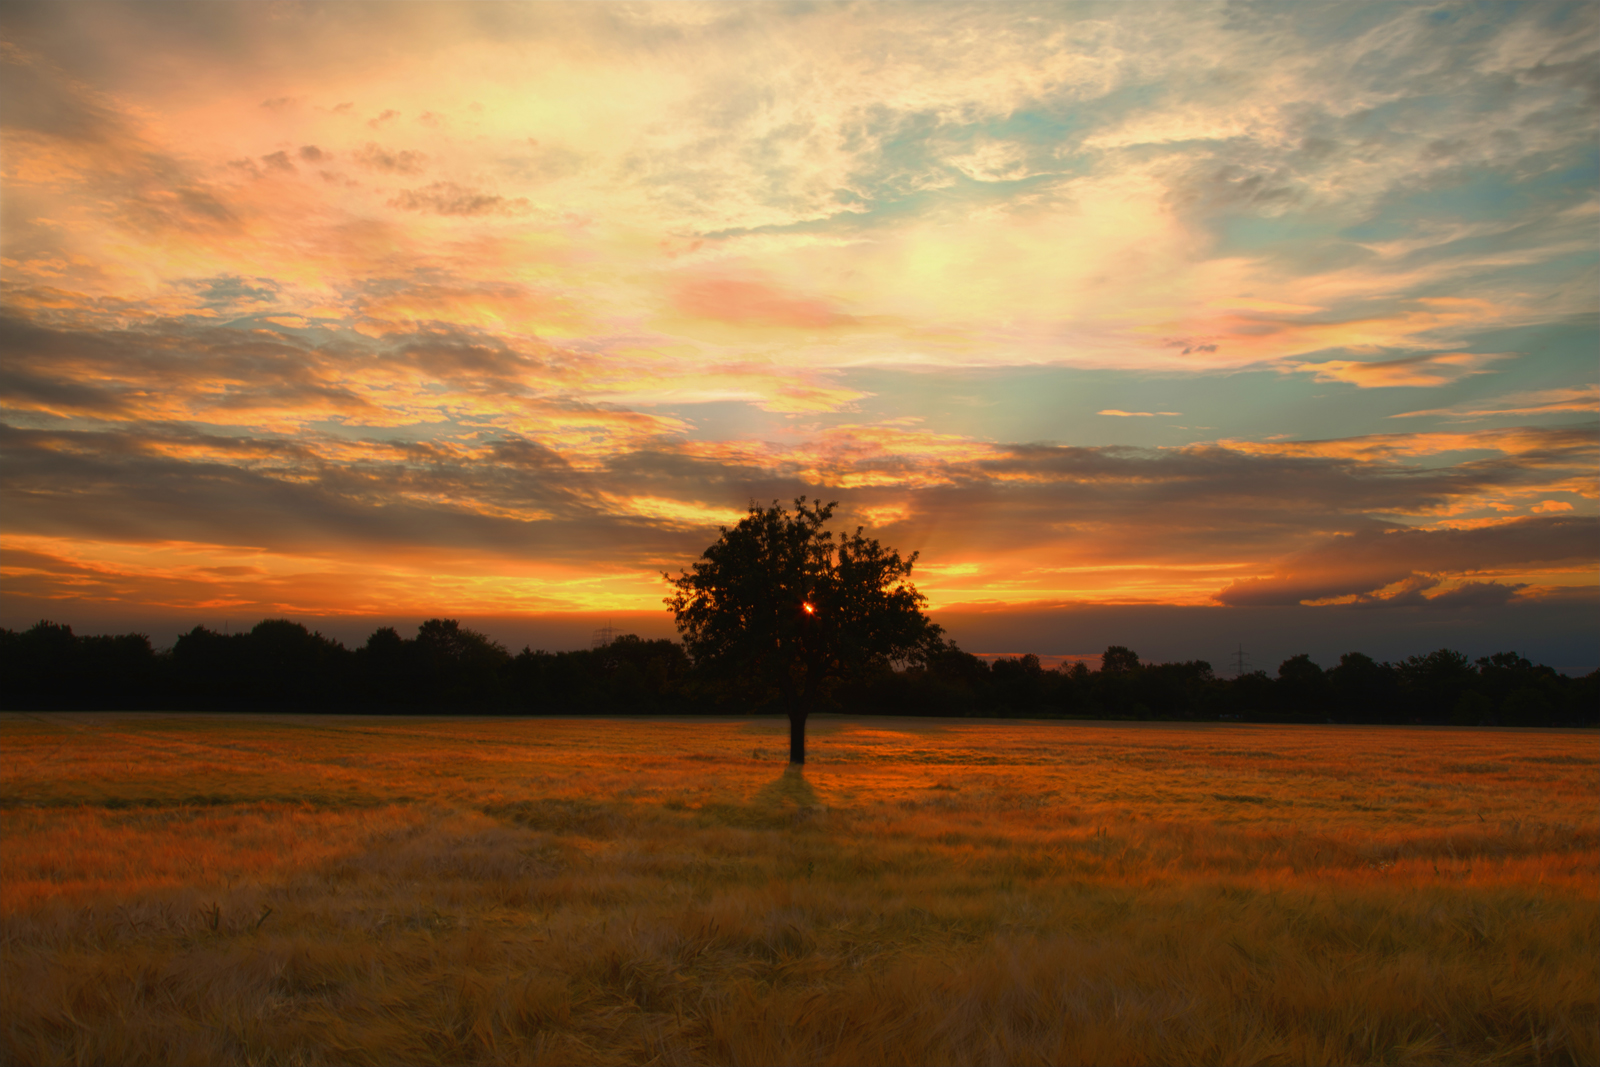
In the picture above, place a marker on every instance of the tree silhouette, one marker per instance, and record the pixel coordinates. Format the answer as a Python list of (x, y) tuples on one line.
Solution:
[(1119, 660), (776, 608), (1302, 685), (460, 668)]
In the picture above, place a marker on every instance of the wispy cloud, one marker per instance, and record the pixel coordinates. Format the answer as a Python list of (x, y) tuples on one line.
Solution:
[(1409, 371), (1543, 402), (448, 198)]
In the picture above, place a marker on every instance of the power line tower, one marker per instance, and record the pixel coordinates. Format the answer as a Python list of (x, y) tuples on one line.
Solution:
[(1239, 662), (603, 636)]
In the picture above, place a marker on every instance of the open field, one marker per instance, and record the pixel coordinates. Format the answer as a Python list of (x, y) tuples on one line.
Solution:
[(249, 889)]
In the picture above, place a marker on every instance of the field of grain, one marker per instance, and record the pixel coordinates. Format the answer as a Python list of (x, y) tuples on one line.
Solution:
[(303, 890)]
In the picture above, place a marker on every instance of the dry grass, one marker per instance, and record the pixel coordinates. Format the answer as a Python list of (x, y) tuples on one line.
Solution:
[(312, 890)]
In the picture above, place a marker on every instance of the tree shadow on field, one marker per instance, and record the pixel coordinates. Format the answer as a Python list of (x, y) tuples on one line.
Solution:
[(789, 791), (786, 801)]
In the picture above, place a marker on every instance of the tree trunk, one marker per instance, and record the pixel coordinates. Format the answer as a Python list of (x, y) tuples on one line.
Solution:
[(797, 736)]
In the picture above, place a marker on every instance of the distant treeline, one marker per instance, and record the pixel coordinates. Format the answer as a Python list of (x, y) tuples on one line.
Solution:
[(281, 666)]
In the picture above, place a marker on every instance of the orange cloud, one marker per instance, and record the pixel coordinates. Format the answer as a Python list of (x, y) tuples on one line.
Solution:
[(53, 575), (1412, 371), (1517, 440), (680, 513), (491, 306)]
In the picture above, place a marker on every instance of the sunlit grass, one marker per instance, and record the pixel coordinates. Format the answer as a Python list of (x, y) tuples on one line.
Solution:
[(276, 889)]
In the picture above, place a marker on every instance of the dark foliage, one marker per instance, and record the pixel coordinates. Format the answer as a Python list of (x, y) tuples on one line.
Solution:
[(50, 668), (278, 664), (775, 611), (1442, 688), (281, 666), (629, 675)]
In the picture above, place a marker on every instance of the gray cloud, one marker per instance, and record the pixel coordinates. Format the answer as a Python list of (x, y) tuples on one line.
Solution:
[(448, 198), (153, 366), (473, 361), (1363, 562), (22, 390), (126, 486), (231, 290), (37, 99), (375, 157)]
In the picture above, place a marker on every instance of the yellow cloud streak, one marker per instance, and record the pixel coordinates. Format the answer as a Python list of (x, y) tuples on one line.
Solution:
[(207, 579)]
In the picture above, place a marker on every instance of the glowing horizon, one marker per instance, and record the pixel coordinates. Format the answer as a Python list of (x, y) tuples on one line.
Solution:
[(365, 309)]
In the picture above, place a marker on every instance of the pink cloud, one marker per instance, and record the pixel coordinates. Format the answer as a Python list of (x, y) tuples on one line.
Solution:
[(748, 303)]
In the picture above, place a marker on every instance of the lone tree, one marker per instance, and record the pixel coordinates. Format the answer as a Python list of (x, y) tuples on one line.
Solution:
[(777, 608)]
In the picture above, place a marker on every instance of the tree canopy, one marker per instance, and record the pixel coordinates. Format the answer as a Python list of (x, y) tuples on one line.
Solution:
[(777, 608)]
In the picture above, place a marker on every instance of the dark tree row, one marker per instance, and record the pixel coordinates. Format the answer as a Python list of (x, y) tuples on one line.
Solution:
[(280, 665), (1443, 687)]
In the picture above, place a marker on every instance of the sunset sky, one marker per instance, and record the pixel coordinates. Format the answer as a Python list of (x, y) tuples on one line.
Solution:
[(497, 311)]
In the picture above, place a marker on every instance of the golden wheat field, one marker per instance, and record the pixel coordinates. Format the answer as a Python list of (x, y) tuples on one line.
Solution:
[(306, 890)]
